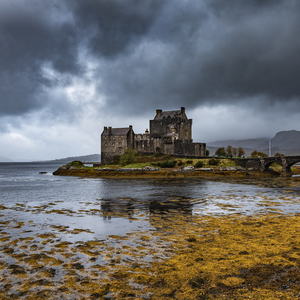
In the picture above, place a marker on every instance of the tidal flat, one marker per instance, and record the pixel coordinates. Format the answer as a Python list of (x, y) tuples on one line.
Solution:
[(154, 239)]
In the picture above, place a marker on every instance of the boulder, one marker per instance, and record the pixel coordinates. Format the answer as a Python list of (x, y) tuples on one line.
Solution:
[(188, 168), (150, 168)]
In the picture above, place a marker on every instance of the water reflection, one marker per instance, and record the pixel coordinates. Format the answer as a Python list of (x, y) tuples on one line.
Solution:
[(150, 196), (191, 196)]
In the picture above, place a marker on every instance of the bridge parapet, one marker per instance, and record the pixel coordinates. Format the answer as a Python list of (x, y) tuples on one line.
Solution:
[(263, 163)]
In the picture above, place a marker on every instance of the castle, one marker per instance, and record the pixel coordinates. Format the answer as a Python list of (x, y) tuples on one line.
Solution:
[(170, 133)]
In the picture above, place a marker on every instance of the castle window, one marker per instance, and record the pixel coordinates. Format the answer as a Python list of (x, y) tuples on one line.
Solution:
[(105, 144), (113, 144), (120, 144), (113, 137)]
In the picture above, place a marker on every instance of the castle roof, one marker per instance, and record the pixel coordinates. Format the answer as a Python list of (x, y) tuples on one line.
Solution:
[(165, 114), (117, 131)]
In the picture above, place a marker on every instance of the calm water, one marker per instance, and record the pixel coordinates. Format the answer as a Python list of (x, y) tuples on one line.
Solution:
[(101, 207)]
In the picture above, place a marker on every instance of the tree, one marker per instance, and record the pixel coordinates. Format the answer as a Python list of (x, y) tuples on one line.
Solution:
[(234, 151), (229, 150), (220, 152), (241, 152), (207, 152), (256, 153), (279, 154)]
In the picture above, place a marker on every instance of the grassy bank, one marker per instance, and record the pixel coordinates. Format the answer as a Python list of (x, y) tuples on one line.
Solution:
[(165, 166)]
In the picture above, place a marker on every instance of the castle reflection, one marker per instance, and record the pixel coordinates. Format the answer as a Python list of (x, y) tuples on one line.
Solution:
[(159, 198)]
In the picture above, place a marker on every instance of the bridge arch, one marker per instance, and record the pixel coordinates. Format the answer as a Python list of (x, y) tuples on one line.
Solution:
[(268, 165), (264, 163), (290, 164)]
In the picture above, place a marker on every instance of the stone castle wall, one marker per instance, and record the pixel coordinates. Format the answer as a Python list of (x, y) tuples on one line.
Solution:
[(170, 133)]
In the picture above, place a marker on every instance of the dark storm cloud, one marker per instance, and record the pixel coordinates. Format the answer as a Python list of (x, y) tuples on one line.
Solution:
[(223, 52), (149, 54), (29, 39), (111, 26)]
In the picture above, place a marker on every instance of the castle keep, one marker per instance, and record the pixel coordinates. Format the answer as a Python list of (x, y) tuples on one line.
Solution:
[(170, 133)]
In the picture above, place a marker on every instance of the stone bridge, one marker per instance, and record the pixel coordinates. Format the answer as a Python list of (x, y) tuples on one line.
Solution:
[(263, 163)]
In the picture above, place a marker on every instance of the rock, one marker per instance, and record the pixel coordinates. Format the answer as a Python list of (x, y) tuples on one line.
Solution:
[(233, 168), (188, 168), (73, 168), (128, 169), (42, 173), (64, 167), (150, 168), (239, 168), (205, 169)]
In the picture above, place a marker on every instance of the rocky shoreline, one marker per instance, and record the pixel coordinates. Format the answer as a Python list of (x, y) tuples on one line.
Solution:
[(152, 172)]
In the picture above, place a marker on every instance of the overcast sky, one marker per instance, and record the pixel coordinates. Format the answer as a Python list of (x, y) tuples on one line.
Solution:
[(70, 67)]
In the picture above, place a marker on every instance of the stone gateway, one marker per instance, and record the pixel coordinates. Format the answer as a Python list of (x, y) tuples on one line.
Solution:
[(170, 133)]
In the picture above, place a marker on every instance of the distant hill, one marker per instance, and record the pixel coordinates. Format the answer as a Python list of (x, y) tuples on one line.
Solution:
[(5, 159), (285, 142), (83, 158)]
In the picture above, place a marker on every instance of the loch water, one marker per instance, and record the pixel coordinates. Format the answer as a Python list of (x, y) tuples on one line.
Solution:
[(96, 208)]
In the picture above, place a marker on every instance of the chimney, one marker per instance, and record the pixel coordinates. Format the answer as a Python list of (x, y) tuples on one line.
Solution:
[(105, 128), (130, 127), (158, 111), (182, 110), (109, 131), (146, 131)]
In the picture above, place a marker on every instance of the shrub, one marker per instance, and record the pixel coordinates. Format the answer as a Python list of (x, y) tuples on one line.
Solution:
[(179, 163), (77, 164), (189, 161), (213, 162), (199, 164), (115, 160), (158, 154), (128, 157), (167, 164)]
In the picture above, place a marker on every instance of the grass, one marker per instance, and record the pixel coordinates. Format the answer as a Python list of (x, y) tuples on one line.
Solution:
[(143, 160)]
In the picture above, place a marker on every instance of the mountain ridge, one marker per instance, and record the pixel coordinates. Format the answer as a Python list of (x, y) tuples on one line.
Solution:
[(5, 159), (285, 142)]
